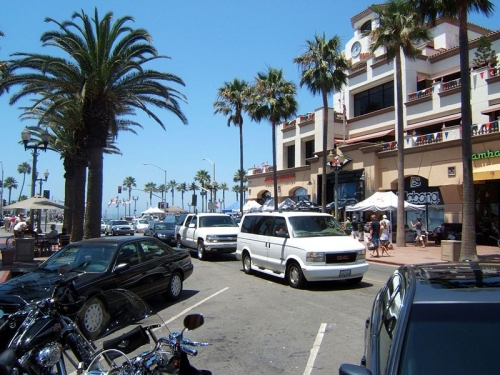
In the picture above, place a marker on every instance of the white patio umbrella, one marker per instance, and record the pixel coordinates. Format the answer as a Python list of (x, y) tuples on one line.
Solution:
[(35, 203)]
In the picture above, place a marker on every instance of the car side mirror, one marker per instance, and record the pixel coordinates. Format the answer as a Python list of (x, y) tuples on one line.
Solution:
[(281, 234), (122, 267), (348, 369)]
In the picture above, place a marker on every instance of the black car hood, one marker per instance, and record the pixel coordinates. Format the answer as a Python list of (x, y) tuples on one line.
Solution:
[(38, 284), (165, 231)]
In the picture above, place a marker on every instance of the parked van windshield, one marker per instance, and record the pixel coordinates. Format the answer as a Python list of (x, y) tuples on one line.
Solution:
[(315, 226)]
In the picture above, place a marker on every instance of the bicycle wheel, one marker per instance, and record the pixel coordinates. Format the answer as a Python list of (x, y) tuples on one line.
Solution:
[(10, 243)]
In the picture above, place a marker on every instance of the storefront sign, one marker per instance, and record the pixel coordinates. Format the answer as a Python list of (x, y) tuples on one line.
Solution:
[(424, 197), (281, 179), (486, 155)]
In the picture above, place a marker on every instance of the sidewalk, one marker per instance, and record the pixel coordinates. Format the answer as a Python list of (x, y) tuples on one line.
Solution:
[(431, 253)]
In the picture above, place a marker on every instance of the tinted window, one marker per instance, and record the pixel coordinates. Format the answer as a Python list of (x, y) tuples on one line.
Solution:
[(279, 225), (248, 223), (119, 222), (315, 226), (452, 339), (263, 226), (153, 249), (128, 254), (217, 221)]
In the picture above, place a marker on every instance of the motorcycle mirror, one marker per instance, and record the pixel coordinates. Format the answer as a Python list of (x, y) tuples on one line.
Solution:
[(193, 321), (64, 269)]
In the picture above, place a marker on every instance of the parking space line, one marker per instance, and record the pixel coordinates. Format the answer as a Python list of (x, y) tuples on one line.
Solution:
[(196, 305), (315, 349)]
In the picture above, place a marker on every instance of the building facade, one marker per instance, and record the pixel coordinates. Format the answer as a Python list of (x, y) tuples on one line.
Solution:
[(366, 136)]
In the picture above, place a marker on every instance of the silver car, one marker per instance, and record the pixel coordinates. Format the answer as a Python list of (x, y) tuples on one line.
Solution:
[(118, 228)]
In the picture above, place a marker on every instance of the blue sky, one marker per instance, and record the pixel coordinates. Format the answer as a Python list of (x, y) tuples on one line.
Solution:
[(209, 42)]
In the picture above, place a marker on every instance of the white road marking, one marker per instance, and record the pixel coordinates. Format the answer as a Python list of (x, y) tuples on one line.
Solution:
[(195, 305), (315, 349)]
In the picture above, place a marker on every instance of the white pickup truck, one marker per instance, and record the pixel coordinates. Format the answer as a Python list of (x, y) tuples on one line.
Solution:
[(208, 233)]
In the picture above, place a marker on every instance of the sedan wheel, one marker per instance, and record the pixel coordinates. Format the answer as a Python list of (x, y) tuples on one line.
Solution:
[(295, 276), (93, 318), (174, 287), (202, 255)]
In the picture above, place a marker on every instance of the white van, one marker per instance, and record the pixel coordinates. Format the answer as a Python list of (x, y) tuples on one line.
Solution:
[(299, 246)]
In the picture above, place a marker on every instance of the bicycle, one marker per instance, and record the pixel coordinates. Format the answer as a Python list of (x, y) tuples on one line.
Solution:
[(10, 243)]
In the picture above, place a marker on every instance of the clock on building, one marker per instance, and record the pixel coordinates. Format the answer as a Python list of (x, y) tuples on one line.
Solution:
[(356, 49)]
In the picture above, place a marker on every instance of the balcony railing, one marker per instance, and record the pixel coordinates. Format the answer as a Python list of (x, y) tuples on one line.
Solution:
[(451, 84), (447, 134), (420, 94)]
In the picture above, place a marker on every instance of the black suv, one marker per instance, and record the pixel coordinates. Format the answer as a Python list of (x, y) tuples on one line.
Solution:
[(440, 318)]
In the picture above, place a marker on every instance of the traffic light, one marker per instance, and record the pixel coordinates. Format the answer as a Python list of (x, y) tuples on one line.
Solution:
[(119, 189), (46, 194), (162, 204), (167, 205), (5, 202), (159, 204)]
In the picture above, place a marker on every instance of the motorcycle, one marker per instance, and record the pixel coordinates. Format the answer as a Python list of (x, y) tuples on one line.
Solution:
[(43, 334), (170, 355)]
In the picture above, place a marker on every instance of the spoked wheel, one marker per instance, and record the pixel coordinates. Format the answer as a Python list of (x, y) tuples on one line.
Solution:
[(295, 276), (93, 318), (202, 255), (10, 243), (247, 263), (174, 287)]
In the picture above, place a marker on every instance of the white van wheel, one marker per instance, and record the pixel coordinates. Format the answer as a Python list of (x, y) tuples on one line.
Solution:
[(247, 263), (294, 275)]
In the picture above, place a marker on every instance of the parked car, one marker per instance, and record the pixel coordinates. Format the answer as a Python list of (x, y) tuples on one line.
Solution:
[(103, 226), (299, 247), (140, 225), (118, 228), (143, 265), (439, 318), (163, 231)]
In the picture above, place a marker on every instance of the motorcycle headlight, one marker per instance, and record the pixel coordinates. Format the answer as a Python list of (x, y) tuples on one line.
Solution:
[(49, 355)]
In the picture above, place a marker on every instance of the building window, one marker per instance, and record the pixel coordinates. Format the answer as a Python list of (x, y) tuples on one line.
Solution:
[(309, 150), (374, 99), (290, 156), (367, 26)]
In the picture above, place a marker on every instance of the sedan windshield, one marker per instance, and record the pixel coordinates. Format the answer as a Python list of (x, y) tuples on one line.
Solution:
[(120, 222), (88, 258), (451, 338), (217, 221), (315, 226)]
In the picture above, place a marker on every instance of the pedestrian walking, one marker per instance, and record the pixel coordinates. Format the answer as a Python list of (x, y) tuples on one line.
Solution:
[(375, 236), (384, 237), (347, 226), (354, 226), (420, 232)]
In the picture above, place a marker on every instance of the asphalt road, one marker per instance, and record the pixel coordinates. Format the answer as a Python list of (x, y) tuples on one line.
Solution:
[(257, 324)]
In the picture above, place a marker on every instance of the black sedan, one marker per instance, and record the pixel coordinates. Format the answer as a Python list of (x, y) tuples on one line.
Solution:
[(142, 265), (164, 231)]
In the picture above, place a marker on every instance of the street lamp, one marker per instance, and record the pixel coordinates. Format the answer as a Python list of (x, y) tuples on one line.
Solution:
[(41, 180), (26, 138), (214, 184), (135, 199), (337, 162), (165, 184)]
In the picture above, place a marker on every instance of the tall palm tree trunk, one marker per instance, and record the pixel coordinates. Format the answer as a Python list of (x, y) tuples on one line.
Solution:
[(78, 215), (275, 172), (324, 148), (22, 186), (400, 234), (241, 168), (94, 193), (468, 250)]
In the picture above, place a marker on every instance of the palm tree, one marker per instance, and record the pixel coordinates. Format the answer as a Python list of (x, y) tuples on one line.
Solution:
[(273, 99), (231, 102), (399, 32), (150, 188), (237, 190), (129, 182), (106, 71), (172, 185), (240, 176), (224, 188), (22, 198), (203, 177), (323, 68), (24, 168), (10, 183), (430, 10), (182, 188)]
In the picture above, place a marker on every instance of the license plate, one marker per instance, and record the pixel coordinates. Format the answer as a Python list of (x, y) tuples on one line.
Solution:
[(344, 273)]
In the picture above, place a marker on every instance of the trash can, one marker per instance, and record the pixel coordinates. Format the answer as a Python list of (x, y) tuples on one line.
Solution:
[(8, 257), (450, 250), (25, 249)]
